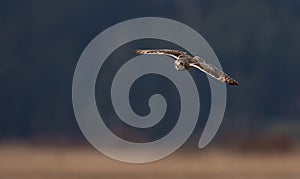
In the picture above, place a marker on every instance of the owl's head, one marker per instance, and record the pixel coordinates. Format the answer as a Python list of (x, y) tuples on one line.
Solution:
[(179, 65)]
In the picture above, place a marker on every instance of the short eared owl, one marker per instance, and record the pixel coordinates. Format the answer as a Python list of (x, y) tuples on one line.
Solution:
[(183, 61)]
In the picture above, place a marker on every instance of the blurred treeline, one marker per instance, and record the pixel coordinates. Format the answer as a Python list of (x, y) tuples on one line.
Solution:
[(257, 43)]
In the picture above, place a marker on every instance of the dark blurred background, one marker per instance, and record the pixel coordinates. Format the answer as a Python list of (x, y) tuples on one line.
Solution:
[(257, 43)]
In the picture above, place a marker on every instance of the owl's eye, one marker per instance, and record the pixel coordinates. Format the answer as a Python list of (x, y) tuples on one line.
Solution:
[(181, 63)]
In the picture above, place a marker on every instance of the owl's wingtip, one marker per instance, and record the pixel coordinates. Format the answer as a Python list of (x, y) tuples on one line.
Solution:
[(233, 83), (138, 51)]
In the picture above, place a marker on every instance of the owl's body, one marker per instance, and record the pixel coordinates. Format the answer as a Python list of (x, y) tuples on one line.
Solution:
[(183, 61)]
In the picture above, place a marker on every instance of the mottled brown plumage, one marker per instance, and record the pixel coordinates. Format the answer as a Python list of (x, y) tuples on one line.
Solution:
[(183, 61)]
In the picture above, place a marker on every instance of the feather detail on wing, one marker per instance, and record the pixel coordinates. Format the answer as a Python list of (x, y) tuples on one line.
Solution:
[(172, 53), (213, 71)]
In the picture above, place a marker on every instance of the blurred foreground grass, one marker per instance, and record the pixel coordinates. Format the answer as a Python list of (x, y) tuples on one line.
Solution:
[(78, 162)]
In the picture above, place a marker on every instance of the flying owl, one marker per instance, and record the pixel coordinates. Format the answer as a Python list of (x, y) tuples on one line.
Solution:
[(183, 61)]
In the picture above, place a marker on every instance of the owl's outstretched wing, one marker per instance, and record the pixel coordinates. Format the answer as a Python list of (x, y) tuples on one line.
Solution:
[(172, 53), (213, 71)]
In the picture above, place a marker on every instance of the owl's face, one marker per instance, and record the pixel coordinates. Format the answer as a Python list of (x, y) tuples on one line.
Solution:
[(179, 65)]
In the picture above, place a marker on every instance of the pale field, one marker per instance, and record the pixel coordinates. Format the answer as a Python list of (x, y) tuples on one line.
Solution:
[(38, 162)]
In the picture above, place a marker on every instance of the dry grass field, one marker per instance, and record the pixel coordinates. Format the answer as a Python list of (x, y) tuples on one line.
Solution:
[(38, 162)]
